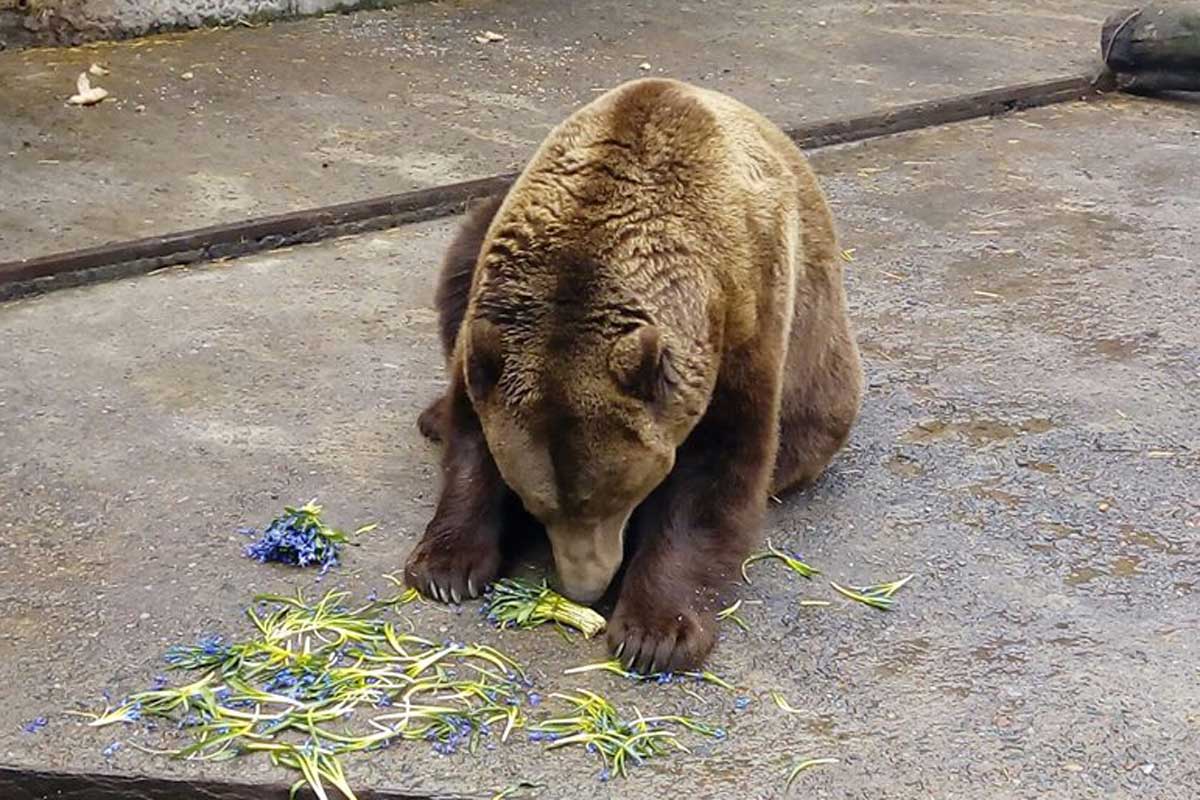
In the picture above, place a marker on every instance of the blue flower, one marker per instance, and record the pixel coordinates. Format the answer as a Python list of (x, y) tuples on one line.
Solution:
[(34, 725), (535, 699), (211, 651), (283, 679), (298, 538), (741, 703), (111, 750), (604, 775), (160, 681)]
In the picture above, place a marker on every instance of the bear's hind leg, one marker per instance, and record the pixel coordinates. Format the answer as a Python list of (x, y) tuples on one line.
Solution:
[(432, 421), (821, 398)]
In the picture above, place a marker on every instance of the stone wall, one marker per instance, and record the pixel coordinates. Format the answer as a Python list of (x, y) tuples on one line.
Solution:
[(29, 22)]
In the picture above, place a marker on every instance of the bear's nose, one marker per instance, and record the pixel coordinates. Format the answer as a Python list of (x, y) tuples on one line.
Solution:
[(583, 594), (585, 580)]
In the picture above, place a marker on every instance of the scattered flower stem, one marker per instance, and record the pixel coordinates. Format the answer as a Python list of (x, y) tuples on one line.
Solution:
[(596, 724), (511, 790), (885, 589), (783, 704), (315, 667), (882, 603), (731, 614), (791, 562), (877, 596), (802, 766)]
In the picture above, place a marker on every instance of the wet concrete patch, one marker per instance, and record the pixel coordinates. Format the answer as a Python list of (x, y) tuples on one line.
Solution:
[(1047, 506), (978, 432)]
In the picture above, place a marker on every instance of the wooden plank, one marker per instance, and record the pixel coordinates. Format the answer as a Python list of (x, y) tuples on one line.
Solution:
[(273, 231), (941, 112)]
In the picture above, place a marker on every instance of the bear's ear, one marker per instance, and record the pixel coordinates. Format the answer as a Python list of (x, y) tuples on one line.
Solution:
[(640, 363), (483, 357)]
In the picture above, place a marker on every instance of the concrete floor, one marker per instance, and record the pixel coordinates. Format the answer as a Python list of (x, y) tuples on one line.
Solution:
[(324, 110), (1025, 294)]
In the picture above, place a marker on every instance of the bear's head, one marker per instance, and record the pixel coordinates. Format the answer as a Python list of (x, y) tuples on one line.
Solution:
[(583, 418)]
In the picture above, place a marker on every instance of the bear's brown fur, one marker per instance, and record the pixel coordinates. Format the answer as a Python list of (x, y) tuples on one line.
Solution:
[(653, 337)]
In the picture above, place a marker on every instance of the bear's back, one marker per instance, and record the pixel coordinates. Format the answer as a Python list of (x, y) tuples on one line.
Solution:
[(660, 195), (671, 139)]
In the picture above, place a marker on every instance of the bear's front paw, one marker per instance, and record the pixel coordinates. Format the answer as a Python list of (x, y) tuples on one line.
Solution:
[(449, 564), (656, 634)]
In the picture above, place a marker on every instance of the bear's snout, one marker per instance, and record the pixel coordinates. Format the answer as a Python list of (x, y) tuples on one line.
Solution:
[(587, 557)]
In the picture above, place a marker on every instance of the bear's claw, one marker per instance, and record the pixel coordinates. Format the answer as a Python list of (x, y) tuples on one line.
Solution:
[(659, 637), (449, 565)]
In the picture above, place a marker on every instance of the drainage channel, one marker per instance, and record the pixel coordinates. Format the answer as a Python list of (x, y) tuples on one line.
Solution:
[(16, 784), (124, 259)]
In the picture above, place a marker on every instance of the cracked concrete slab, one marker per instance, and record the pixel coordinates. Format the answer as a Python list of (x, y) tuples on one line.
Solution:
[(212, 126), (1024, 292)]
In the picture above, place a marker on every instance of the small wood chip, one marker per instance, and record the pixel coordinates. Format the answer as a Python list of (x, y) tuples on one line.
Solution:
[(86, 94)]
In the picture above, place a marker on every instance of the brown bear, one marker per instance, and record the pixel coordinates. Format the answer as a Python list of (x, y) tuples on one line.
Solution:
[(645, 338)]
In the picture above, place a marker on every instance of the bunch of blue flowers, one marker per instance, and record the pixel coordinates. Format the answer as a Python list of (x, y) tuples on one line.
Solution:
[(300, 537)]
